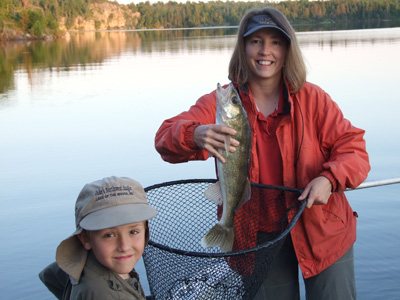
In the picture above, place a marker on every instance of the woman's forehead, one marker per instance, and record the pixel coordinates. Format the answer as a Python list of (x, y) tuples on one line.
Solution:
[(271, 32)]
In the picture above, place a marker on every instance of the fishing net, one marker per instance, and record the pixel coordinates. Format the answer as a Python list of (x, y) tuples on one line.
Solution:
[(178, 267)]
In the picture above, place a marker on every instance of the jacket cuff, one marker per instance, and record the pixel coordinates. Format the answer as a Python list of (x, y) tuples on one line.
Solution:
[(332, 179), (188, 136)]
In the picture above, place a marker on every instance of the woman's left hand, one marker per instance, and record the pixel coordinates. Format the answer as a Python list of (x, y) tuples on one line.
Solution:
[(318, 191)]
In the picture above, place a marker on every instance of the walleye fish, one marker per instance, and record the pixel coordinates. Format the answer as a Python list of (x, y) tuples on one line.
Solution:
[(233, 188)]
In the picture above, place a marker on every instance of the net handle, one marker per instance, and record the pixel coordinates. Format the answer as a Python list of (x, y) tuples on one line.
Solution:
[(375, 183)]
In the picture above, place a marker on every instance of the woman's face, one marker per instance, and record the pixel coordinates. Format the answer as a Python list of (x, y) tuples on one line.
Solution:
[(266, 54)]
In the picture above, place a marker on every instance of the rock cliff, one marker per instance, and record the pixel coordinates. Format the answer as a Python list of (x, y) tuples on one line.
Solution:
[(104, 16)]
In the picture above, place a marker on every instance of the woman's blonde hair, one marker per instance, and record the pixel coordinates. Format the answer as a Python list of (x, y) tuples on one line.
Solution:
[(294, 70)]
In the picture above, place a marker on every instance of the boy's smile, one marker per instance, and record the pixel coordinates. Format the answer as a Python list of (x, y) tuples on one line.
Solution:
[(118, 248)]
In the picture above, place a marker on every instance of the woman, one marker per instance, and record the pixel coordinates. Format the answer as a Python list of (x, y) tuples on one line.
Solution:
[(300, 139)]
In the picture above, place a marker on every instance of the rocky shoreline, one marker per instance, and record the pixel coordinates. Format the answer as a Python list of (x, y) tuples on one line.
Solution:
[(106, 16)]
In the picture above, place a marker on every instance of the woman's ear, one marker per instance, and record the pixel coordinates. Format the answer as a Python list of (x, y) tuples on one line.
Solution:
[(84, 237)]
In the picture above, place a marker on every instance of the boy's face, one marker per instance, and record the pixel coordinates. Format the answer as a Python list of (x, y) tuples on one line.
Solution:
[(118, 248)]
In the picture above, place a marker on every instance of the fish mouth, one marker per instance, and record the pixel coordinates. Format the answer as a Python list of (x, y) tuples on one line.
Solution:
[(264, 62), (225, 103), (225, 93)]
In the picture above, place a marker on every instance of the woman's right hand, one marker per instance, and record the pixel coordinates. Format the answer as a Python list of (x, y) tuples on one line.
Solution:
[(212, 138)]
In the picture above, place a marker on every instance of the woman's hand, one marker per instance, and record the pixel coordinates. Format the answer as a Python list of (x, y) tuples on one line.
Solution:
[(318, 191), (212, 138)]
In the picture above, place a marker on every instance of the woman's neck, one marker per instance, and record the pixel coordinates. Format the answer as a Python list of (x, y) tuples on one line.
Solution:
[(266, 95)]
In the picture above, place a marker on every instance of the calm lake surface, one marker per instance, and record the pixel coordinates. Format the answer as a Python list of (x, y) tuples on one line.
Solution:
[(77, 110)]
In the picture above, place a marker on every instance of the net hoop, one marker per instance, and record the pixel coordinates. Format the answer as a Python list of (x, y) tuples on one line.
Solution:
[(231, 253)]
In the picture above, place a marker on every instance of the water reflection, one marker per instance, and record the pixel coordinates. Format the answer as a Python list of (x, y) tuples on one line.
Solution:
[(347, 25), (94, 48), (349, 38), (77, 110)]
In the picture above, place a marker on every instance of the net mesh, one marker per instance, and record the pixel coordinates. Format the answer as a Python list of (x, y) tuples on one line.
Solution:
[(178, 267)]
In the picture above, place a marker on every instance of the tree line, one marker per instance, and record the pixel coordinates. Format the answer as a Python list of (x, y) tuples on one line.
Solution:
[(38, 17), (217, 13)]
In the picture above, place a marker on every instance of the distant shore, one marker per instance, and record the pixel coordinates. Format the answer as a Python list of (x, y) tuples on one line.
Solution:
[(18, 36), (12, 35)]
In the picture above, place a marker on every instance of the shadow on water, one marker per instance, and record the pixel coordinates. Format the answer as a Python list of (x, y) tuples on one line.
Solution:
[(90, 49)]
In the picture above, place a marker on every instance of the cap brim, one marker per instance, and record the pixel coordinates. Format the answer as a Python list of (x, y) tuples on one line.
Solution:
[(117, 216), (254, 29)]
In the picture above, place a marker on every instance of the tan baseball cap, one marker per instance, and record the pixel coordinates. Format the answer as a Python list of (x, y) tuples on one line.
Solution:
[(109, 202)]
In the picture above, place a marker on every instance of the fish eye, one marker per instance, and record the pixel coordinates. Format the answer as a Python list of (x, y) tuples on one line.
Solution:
[(235, 100)]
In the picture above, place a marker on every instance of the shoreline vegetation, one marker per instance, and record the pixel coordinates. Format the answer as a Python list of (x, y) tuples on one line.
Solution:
[(54, 19)]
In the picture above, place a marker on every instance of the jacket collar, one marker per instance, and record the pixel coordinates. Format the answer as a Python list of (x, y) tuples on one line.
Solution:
[(244, 88), (113, 278)]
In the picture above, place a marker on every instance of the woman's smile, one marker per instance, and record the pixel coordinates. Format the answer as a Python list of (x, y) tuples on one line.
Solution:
[(265, 62), (266, 54)]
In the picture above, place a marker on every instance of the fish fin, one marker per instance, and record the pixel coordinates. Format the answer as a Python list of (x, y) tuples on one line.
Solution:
[(246, 194), (219, 236), (247, 191), (213, 193)]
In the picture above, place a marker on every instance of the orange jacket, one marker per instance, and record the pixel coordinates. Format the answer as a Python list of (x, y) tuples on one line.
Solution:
[(315, 139)]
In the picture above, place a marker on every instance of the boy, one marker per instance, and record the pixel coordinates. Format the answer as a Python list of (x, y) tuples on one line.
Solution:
[(111, 232)]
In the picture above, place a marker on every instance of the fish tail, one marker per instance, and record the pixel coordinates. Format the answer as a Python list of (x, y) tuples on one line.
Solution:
[(219, 236)]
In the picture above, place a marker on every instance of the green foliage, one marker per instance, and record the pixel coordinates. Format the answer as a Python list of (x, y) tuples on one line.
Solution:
[(97, 24), (39, 16), (51, 23), (218, 13), (35, 22)]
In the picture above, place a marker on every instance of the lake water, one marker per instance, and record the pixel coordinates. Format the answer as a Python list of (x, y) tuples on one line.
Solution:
[(78, 110)]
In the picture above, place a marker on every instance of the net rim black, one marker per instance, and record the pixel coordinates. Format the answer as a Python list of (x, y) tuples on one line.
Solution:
[(231, 253)]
